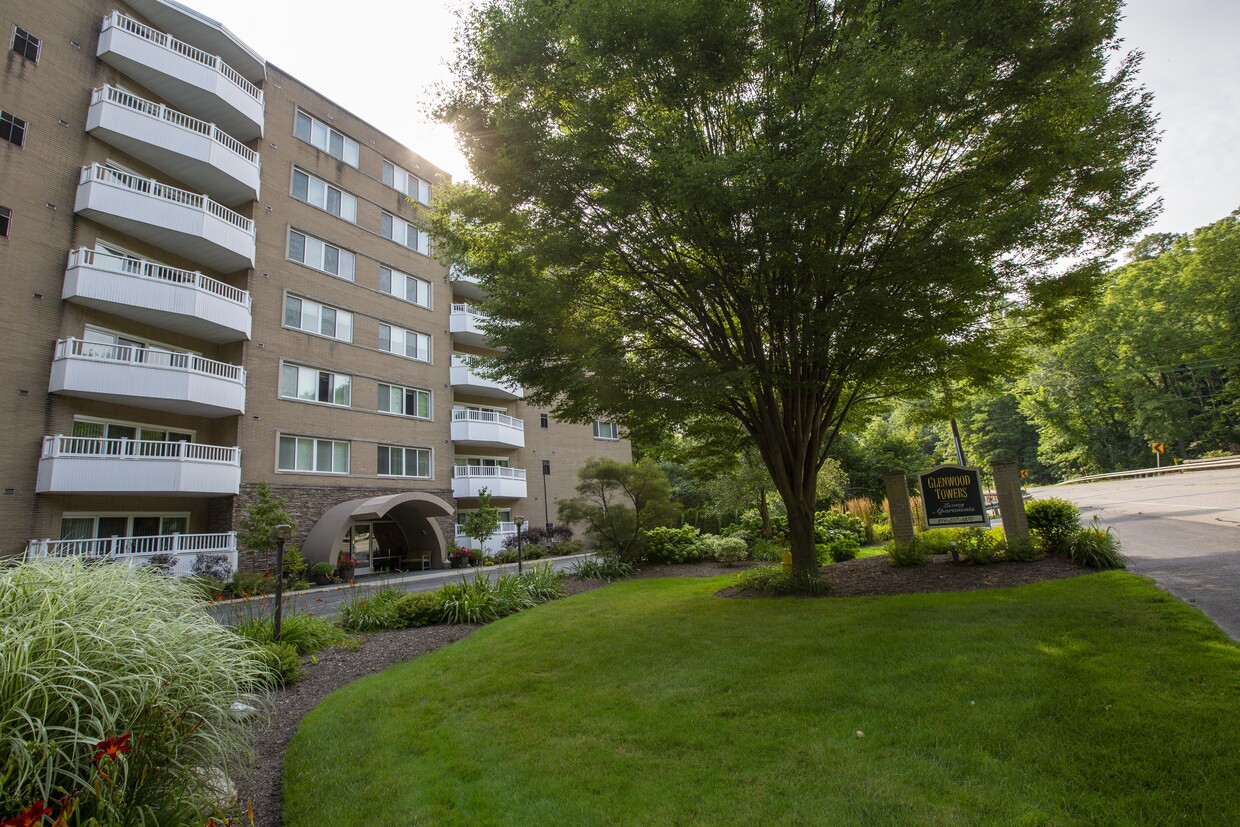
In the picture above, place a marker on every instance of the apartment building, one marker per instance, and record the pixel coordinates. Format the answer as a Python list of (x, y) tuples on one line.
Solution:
[(214, 281)]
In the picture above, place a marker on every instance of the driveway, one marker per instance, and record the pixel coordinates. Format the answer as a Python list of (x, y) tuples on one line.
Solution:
[(1183, 530)]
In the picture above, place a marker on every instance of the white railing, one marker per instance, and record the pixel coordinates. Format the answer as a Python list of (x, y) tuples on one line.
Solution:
[(151, 187), (141, 449), (504, 529), (466, 309), (157, 110), (148, 357), (501, 472), (117, 546), (170, 43), (141, 268), (466, 415)]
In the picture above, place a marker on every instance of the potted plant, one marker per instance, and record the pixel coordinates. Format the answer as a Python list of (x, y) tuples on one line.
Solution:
[(461, 557), (346, 563), (322, 573)]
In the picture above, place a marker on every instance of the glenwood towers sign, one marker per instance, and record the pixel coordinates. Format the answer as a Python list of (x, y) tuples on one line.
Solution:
[(952, 496)]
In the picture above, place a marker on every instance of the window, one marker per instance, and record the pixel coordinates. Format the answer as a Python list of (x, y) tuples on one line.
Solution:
[(320, 135), (408, 183), (404, 462), (606, 430), (405, 401), (12, 129), (320, 255), (25, 44), (6, 218), (313, 385), (402, 286), (90, 526), (299, 453), (546, 467), (542, 420), (324, 196), (402, 232), (405, 342), (313, 317)]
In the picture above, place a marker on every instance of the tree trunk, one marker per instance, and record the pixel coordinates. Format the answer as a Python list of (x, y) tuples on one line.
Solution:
[(765, 511), (801, 533)]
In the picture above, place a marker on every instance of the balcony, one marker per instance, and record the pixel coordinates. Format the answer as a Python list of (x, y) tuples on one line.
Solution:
[(139, 550), (466, 380), (466, 285), (487, 429), (89, 465), (494, 545), (186, 223), (189, 78), (168, 298), (196, 152), (148, 378), (502, 483), (463, 324)]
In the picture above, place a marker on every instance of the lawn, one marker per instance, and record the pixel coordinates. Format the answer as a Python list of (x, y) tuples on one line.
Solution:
[(1097, 699)]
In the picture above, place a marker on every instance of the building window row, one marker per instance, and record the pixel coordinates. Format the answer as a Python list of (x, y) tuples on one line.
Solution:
[(312, 317), (404, 286), (318, 254), (395, 461), (405, 401), (26, 44), (321, 136), (12, 129), (402, 232), (406, 182), (313, 385), (404, 342), (319, 193), (106, 526), (329, 456)]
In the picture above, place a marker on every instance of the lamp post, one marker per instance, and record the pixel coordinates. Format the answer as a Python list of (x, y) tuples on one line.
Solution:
[(520, 521), (280, 534)]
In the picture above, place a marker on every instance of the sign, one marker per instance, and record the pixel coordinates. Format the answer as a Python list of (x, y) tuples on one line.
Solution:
[(1159, 447), (952, 496)]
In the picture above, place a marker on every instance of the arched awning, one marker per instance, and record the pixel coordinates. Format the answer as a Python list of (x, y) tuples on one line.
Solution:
[(406, 508)]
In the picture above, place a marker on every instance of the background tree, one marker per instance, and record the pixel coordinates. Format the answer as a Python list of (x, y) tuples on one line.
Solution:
[(256, 523), (481, 525), (772, 211), (617, 501)]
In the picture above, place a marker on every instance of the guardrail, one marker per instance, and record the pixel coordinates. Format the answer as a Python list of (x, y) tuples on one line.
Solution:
[(111, 94), (141, 268), (1189, 465)]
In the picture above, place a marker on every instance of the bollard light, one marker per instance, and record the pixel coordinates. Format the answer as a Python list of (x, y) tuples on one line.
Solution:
[(520, 521)]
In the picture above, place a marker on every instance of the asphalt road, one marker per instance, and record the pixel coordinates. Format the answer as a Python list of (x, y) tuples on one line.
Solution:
[(327, 600), (1183, 530)]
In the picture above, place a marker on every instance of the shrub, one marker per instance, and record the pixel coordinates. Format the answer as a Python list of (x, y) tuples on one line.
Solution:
[(282, 661), (212, 567), (509, 555), (371, 611), (1097, 548), (304, 632), (124, 655), (839, 550), (767, 551), (533, 535), (567, 547), (322, 570), (1055, 521), (937, 540), (726, 550), (417, 609), (882, 532), (162, 563), (470, 601), (906, 554), (1023, 551), (773, 581), (673, 545), (979, 547), (246, 583), (542, 583), (865, 510), (832, 525), (294, 563), (509, 594), (602, 568)]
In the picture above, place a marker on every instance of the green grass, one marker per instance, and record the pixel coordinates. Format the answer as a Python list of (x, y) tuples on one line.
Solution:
[(876, 550), (1094, 700)]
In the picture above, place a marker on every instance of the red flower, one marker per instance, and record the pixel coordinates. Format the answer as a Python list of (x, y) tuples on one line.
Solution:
[(112, 748), (30, 818)]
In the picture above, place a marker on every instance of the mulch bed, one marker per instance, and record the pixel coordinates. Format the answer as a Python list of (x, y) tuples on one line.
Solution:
[(856, 578)]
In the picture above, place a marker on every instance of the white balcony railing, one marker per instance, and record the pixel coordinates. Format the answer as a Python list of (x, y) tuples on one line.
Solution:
[(149, 357), (464, 376), (160, 112), (186, 222), (467, 415), (469, 480), (167, 297), (183, 74), (487, 428), (464, 324), (82, 465), (139, 550), (191, 150), (494, 544)]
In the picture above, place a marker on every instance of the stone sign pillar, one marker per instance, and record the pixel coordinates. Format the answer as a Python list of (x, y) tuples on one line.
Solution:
[(1011, 501), (898, 510)]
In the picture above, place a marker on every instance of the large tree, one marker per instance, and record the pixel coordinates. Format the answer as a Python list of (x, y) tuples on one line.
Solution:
[(772, 210)]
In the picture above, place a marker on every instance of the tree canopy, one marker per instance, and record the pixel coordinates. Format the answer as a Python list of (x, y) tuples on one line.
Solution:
[(771, 211)]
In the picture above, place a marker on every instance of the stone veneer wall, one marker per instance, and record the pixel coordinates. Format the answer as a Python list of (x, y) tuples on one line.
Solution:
[(306, 504)]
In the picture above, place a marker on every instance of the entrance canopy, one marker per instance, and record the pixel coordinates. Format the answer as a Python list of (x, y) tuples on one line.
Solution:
[(413, 511)]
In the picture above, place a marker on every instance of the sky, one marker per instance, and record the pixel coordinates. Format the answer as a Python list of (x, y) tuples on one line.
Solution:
[(382, 59)]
